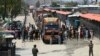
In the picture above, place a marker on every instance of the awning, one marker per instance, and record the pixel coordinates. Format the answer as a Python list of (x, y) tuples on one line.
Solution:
[(7, 31), (63, 12), (90, 16), (76, 14), (47, 9), (53, 10)]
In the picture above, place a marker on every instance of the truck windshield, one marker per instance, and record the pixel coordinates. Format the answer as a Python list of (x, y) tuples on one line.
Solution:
[(52, 26)]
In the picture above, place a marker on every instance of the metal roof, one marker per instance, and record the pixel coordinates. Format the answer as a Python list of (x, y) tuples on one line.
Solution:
[(76, 14), (91, 16)]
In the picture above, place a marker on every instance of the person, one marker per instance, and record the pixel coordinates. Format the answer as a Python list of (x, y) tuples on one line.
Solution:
[(36, 34), (90, 48), (76, 34), (86, 33), (19, 33), (79, 32), (91, 34), (65, 34), (31, 35), (34, 51)]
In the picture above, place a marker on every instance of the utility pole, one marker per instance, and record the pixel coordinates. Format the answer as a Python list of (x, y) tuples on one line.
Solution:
[(25, 12), (44, 2)]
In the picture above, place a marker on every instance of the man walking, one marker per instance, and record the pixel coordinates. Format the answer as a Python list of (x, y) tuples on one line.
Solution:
[(34, 51), (90, 48)]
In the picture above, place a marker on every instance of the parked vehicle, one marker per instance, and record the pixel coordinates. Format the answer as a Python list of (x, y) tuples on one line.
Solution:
[(14, 25), (7, 33), (6, 44)]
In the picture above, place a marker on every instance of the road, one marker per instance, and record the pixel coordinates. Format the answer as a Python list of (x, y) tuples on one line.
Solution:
[(71, 47), (28, 20)]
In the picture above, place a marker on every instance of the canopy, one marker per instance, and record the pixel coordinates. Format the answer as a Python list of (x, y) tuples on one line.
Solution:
[(76, 14), (7, 31), (53, 10), (46, 9), (63, 12), (90, 16)]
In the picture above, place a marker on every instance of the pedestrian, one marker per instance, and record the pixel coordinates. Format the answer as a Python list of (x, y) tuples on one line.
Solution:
[(90, 48), (65, 34), (36, 34), (30, 29), (76, 34), (72, 33), (91, 34), (86, 33), (31, 35), (79, 32), (19, 33), (25, 33), (35, 51)]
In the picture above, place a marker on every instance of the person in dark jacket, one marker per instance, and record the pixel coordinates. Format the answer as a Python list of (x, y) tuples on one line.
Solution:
[(90, 48), (36, 34), (31, 35), (34, 51)]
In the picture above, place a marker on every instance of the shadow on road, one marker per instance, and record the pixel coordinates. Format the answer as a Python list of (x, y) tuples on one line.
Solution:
[(17, 55), (18, 49), (73, 44)]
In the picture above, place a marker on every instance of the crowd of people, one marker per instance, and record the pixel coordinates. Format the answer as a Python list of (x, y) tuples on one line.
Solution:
[(82, 32), (30, 33)]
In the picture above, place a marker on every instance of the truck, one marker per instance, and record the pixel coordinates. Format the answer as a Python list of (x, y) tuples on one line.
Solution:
[(51, 31)]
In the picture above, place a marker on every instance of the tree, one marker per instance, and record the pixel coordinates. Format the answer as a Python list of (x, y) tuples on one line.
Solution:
[(10, 8), (13, 7), (54, 4), (2, 8)]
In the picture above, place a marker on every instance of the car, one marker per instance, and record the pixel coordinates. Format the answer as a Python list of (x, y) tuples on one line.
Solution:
[(7, 33)]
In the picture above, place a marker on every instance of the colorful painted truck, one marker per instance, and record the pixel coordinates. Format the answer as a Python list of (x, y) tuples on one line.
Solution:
[(52, 31)]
